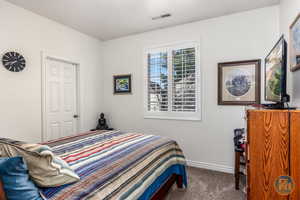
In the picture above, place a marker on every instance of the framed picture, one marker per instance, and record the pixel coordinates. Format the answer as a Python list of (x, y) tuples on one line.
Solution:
[(122, 84), (295, 44), (239, 83)]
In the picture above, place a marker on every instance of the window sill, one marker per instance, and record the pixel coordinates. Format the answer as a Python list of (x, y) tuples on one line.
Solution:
[(173, 118)]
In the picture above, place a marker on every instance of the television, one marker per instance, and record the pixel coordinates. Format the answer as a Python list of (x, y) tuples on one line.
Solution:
[(276, 75)]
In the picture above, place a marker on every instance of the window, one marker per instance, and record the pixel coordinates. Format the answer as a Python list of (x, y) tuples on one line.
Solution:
[(172, 86)]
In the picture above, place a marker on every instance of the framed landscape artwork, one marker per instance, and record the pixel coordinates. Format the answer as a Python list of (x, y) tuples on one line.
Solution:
[(295, 44), (122, 84), (239, 83)]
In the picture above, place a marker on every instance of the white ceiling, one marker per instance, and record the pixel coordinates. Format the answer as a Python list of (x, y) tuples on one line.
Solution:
[(108, 19)]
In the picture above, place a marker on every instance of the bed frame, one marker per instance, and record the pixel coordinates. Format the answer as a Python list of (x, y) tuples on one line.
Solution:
[(2, 194), (160, 194), (163, 191)]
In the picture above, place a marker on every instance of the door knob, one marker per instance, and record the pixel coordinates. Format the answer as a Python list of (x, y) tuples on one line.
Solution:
[(76, 116)]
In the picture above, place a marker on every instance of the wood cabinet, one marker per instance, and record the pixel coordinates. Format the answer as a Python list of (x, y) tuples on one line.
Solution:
[(273, 150), (295, 152)]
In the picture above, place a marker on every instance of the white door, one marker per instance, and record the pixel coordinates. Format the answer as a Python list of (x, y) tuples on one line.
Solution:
[(61, 117)]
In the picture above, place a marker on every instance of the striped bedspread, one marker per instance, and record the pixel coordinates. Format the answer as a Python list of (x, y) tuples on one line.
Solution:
[(116, 165)]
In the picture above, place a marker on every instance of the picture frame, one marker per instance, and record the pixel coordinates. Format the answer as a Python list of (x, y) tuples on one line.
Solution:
[(122, 84), (295, 45), (239, 82)]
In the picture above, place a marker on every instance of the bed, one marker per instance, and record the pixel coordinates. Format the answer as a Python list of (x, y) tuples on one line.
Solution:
[(118, 165)]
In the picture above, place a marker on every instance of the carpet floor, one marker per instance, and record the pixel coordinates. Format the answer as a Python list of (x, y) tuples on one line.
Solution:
[(207, 185)]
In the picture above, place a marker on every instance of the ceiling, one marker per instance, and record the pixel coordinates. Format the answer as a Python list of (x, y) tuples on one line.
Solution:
[(109, 19)]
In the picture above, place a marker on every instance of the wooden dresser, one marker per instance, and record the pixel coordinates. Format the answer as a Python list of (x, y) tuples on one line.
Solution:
[(273, 150)]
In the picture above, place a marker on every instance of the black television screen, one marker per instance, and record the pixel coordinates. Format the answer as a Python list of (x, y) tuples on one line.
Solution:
[(275, 72)]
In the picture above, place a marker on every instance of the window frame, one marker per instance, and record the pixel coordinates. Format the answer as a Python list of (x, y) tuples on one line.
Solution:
[(174, 115)]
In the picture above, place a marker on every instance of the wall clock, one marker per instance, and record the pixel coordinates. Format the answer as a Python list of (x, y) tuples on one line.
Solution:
[(13, 61)]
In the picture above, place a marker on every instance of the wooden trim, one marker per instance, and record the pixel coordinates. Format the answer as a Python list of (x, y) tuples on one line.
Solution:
[(257, 63), (163, 191)]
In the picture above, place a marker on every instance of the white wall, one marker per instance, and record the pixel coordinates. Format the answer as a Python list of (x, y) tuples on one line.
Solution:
[(289, 10), (20, 93), (247, 35)]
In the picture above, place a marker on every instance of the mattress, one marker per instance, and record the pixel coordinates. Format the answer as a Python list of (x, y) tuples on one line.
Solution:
[(116, 165)]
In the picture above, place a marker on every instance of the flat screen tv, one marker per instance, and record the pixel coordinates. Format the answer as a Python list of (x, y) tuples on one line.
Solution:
[(275, 75)]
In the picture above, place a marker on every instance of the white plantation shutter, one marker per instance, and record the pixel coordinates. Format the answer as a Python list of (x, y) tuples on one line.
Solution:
[(157, 82), (172, 82), (184, 80)]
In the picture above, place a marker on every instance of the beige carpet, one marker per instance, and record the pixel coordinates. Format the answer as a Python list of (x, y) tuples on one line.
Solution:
[(207, 185)]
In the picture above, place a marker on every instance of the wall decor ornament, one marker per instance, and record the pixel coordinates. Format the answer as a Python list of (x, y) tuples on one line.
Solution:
[(122, 84), (13, 61), (239, 82), (295, 45)]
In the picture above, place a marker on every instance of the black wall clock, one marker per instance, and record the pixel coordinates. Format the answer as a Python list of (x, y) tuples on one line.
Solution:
[(13, 61)]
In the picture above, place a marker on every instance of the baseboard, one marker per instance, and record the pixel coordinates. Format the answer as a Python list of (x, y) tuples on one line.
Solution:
[(211, 166)]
